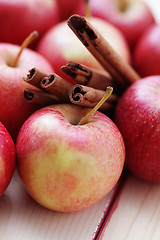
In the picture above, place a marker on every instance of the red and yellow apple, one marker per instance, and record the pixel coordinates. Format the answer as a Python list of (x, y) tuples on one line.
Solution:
[(64, 166)]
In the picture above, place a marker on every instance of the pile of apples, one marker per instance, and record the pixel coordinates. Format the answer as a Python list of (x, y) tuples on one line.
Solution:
[(65, 166)]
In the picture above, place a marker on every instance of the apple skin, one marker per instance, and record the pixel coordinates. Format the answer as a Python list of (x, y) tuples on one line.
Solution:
[(66, 8), (14, 110), (60, 45), (132, 21), (64, 166), (19, 18), (7, 158), (137, 117), (146, 55)]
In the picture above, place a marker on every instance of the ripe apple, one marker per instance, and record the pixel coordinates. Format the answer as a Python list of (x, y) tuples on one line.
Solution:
[(7, 158), (64, 166), (137, 117), (59, 45), (19, 18), (14, 109), (66, 8), (131, 17), (146, 55)]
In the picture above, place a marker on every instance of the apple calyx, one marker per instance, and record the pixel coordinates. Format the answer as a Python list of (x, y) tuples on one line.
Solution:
[(32, 36), (108, 93)]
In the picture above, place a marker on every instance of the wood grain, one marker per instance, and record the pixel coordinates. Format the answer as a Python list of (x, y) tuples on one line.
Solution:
[(22, 218), (137, 215)]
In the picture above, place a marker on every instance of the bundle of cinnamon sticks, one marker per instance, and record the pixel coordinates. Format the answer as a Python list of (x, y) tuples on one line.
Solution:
[(90, 84)]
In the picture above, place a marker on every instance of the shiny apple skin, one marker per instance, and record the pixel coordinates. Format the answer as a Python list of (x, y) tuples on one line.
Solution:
[(137, 117), (146, 55), (67, 167), (7, 158)]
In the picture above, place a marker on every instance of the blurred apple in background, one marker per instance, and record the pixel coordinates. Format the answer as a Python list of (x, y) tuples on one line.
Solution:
[(66, 8), (146, 55), (7, 158), (19, 18), (59, 45), (64, 166), (131, 17), (14, 109), (137, 117)]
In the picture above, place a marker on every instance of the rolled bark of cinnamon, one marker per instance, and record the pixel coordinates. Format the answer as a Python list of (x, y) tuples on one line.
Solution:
[(39, 98), (87, 76), (89, 97), (122, 72), (79, 73), (57, 86), (34, 77)]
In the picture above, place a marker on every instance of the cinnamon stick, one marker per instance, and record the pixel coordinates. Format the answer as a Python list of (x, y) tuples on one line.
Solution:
[(90, 77), (39, 98), (102, 51), (79, 73), (34, 77), (57, 86), (88, 97)]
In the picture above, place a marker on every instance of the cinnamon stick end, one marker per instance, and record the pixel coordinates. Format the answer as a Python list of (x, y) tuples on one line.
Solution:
[(28, 95), (30, 75), (77, 22), (79, 25), (68, 71)]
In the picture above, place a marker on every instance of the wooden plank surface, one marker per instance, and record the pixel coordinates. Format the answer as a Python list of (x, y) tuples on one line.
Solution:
[(22, 218), (137, 214)]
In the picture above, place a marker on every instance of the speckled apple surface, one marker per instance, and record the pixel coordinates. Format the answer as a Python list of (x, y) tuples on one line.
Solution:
[(67, 167), (7, 158)]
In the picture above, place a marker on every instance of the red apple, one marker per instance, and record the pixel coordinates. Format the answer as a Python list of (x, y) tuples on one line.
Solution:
[(146, 55), (14, 109), (137, 117), (59, 45), (64, 166), (131, 17), (66, 8), (7, 158), (19, 18)]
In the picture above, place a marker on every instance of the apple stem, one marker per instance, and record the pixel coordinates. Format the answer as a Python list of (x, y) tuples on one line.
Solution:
[(122, 5), (87, 9), (25, 44), (108, 93)]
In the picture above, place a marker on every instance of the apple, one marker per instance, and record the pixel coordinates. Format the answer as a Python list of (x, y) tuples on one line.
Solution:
[(66, 8), (59, 45), (131, 17), (19, 18), (14, 109), (146, 55), (137, 117), (7, 158), (65, 166)]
